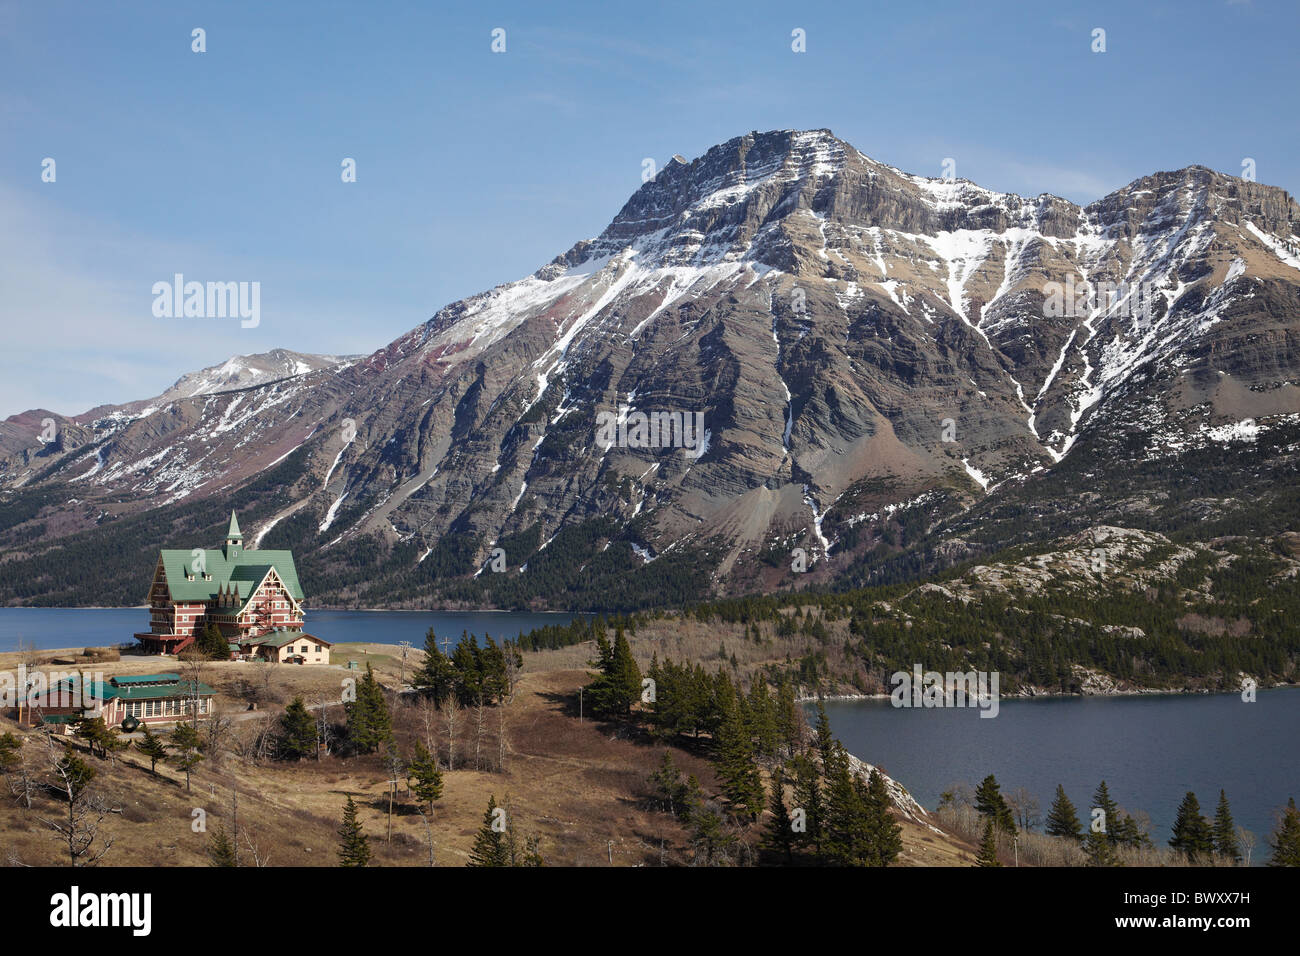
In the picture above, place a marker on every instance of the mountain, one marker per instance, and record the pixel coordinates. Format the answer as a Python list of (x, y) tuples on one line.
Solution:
[(890, 375)]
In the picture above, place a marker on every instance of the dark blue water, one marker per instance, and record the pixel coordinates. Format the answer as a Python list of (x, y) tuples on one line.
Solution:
[(93, 627), (1150, 750)]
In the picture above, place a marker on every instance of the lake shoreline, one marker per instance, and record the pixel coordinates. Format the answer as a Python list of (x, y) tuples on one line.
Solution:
[(1134, 692)]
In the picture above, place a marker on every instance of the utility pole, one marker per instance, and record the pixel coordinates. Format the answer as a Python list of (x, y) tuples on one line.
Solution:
[(405, 647), (609, 845)]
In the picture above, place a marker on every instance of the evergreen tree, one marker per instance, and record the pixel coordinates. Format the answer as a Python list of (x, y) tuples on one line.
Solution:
[(1063, 819), (669, 787), (780, 836), (885, 836), (988, 852), (1126, 832), (354, 845), (369, 722), (221, 849), (152, 747), (1100, 849), (708, 832), (436, 676), (10, 749), (992, 805), (185, 741), (618, 685), (77, 772), (213, 644), (787, 717), (1226, 843), (425, 777), (741, 783), (1285, 840), (847, 828), (465, 661), (490, 847), (297, 731), (1192, 835), (762, 719), (1101, 800), (808, 797), (825, 743)]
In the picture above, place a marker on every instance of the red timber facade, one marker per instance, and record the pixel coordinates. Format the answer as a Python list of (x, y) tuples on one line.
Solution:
[(247, 594)]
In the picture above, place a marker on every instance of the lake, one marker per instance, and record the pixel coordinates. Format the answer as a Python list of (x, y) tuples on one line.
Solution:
[(1149, 749), (104, 627)]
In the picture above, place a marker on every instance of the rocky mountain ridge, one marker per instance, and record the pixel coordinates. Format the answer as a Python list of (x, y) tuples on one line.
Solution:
[(852, 337)]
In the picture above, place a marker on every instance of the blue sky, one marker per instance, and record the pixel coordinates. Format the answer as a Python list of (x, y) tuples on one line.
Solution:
[(475, 168)]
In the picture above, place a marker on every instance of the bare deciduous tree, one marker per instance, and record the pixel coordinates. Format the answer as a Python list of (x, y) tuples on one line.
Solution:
[(86, 809), (450, 710)]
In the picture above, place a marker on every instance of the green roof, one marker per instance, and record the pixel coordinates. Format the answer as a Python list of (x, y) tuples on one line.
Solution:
[(145, 679), (243, 569), (133, 688), (234, 532), (281, 638)]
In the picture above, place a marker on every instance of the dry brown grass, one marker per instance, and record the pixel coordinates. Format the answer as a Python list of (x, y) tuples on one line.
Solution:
[(581, 787)]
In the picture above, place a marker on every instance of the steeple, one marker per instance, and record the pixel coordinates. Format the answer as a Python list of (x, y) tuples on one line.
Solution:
[(234, 539)]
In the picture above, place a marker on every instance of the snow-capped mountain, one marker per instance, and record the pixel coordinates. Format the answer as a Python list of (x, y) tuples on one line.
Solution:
[(856, 344)]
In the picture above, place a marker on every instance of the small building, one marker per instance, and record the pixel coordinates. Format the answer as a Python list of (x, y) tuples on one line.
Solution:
[(149, 698), (286, 646), (246, 593)]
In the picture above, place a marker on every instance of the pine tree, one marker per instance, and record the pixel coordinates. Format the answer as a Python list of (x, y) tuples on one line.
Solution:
[(669, 787), (1100, 849), (424, 776), (221, 849), (1285, 840), (10, 750), (354, 845), (825, 743), (369, 722), (741, 783), (885, 836), (213, 644), (1063, 819), (76, 771), (988, 852), (1226, 843), (780, 836), (1101, 800), (847, 828), (808, 797), (490, 847), (152, 747), (787, 717), (436, 675), (297, 730), (993, 806), (762, 719), (185, 741), (1192, 835)]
